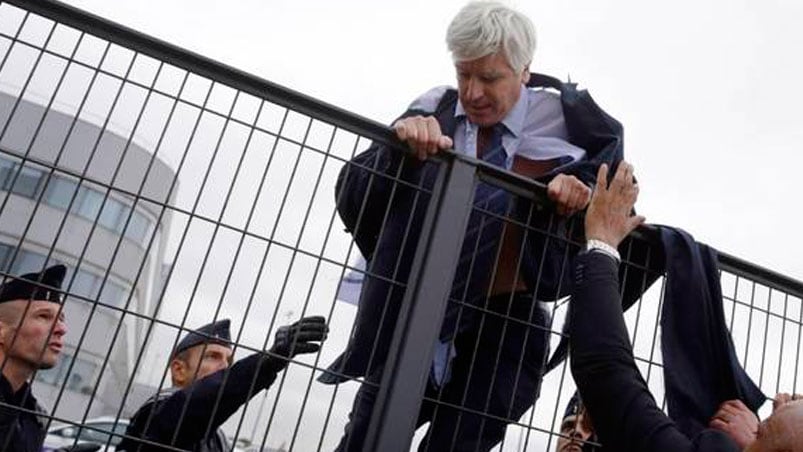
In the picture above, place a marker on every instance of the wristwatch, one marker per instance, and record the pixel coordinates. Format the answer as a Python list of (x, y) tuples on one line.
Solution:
[(601, 247)]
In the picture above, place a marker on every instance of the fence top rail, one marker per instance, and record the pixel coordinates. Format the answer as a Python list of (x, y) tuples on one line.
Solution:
[(206, 67), (288, 98), (761, 275)]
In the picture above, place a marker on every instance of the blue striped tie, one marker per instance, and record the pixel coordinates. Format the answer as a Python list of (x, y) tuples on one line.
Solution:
[(490, 150)]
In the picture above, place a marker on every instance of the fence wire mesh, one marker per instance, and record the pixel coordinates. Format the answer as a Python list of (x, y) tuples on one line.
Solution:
[(179, 192)]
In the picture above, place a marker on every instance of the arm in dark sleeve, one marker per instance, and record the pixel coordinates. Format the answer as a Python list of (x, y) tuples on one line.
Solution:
[(363, 190), (365, 187), (625, 414), (210, 401)]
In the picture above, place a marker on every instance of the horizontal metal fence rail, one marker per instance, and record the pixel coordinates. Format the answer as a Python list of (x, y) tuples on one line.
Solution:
[(180, 191)]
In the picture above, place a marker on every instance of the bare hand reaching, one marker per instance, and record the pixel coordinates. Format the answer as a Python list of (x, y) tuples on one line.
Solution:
[(609, 217)]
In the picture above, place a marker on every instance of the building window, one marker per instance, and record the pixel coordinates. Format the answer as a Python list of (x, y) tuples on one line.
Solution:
[(138, 227), (6, 173), (85, 284), (59, 192), (114, 215), (27, 262), (113, 294), (5, 254), (28, 182), (87, 204)]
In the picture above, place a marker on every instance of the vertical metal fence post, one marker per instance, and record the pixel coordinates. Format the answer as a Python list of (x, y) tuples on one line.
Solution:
[(411, 351)]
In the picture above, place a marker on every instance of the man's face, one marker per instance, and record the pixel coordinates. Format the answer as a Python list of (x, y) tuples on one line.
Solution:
[(488, 88), (201, 361), (781, 432), (36, 340), (577, 427)]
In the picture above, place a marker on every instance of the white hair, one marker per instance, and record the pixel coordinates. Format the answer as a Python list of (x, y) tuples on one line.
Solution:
[(483, 28)]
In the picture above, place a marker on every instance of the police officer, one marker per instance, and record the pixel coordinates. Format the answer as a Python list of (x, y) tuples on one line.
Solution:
[(577, 431), (207, 388), (32, 333)]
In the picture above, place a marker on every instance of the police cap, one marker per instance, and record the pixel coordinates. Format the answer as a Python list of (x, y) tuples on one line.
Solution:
[(214, 333), (44, 286)]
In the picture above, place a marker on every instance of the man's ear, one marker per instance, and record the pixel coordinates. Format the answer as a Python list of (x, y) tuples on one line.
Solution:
[(178, 372), (6, 332), (525, 75)]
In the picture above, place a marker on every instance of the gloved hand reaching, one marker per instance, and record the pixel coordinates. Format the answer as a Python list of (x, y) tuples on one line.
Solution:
[(303, 336)]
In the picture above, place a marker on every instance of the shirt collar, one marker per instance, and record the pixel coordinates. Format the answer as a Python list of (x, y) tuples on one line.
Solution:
[(514, 121)]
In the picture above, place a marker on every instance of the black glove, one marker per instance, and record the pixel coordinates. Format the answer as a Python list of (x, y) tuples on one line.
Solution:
[(300, 337)]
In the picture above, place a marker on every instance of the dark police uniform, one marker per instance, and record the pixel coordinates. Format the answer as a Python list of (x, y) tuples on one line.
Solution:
[(24, 431), (158, 419), (20, 431), (189, 418), (215, 442)]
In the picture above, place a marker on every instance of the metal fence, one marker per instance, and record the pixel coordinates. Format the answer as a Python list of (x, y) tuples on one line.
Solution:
[(179, 191)]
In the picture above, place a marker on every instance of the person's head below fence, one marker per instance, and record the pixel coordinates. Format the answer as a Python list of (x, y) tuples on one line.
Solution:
[(576, 428), (732, 418), (201, 352), (32, 324), (783, 430)]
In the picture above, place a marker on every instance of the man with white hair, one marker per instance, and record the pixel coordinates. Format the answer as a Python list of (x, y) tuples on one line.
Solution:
[(494, 341)]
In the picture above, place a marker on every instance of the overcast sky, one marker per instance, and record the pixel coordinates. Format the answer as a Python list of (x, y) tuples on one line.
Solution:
[(706, 91)]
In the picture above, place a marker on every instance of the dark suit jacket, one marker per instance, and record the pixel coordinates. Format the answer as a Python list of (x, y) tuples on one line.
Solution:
[(382, 197), (700, 366), (20, 431)]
